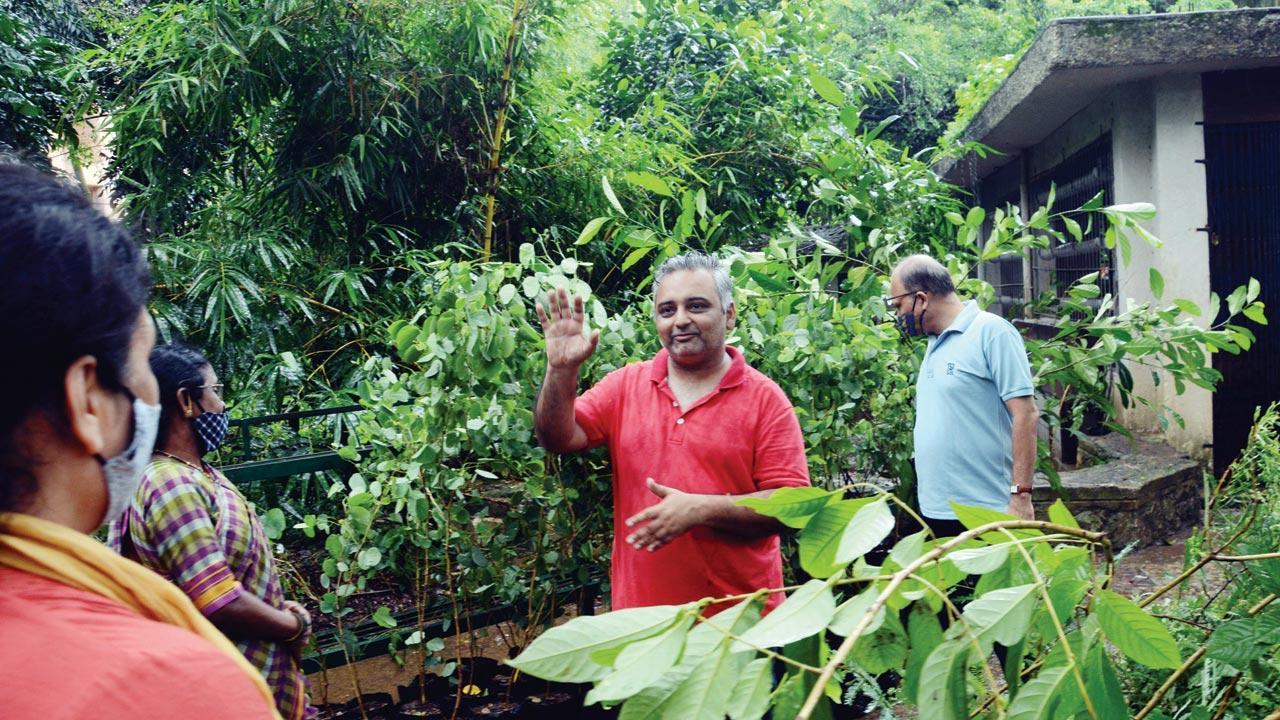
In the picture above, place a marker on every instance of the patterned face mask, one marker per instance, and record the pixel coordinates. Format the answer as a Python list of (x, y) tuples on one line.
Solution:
[(211, 429), (124, 471)]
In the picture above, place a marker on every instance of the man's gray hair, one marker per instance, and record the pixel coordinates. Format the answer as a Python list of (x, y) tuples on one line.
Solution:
[(698, 261), (923, 273)]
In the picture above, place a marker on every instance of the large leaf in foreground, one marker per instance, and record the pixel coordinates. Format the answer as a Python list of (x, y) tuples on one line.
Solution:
[(750, 697), (707, 691), (975, 517), (1050, 695), (709, 636), (869, 526), (564, 653), (1139, 636), (943, 693), (792, 506), (806, 612), (1240, 642), (822, 535), (1003, 615), (641, 663), (852, 611)]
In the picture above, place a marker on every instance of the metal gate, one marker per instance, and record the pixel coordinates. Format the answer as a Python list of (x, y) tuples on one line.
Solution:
[(1242, 169)]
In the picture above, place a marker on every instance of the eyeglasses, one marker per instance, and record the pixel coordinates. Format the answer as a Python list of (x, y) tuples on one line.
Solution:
[(216, 388), (888, 299)]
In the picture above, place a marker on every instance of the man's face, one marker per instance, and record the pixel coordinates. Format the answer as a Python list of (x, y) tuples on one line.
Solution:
[(905, 305), (691, 322)]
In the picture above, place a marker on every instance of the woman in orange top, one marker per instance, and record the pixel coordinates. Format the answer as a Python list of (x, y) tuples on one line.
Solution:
[(85, 632)]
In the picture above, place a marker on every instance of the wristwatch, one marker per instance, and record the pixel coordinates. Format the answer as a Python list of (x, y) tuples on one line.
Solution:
[(1016, 490)]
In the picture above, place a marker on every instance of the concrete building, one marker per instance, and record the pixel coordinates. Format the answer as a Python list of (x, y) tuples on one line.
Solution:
[(1179, 110)]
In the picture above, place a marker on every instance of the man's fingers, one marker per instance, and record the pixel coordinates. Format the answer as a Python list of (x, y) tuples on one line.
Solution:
[(542, 314), (577, 307), (642, 516), (595, 340), (659, 490)]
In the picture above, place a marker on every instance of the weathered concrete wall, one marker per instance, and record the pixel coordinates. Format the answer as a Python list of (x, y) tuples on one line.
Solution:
[(1145, 493), (1155, 145)]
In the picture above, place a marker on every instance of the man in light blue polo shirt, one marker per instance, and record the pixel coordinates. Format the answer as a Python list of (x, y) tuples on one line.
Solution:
[(975, 431)]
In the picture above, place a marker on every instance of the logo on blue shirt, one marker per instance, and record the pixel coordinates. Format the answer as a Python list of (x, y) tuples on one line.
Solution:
[(951, 368)]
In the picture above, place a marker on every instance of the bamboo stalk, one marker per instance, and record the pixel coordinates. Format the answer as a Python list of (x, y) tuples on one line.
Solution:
[(499, 128)]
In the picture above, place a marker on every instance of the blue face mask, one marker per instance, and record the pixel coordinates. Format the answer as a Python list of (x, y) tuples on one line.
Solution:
[(211, 429), (124, 472), (908, 324)]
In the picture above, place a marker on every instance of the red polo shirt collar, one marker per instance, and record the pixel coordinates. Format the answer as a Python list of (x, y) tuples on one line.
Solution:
[(734, 377)]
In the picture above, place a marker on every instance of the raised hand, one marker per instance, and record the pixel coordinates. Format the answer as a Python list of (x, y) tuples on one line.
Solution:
[(562, 323)]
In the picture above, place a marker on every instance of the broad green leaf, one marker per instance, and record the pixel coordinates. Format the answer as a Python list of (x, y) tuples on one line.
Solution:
[(769, 283), (943, 695), (564, 653), (1105, 691), (707, 692), (1240, 642), (1156, 281), (750, 697), (1139, 636), (273, 523), (1073, 228), (1001, 616), (1256, 312), (506, 293), (908, 549), (1051, 695), (821, 538), (852, 611), (369, 557), (826, 88), (1254, 289), (806, 612), (589, 231), (1187, 307), (1060, 515), (795, 687), (792, 506), (608, 193), (976, 517), (636, 256), (869, 526), (883, 650), (1132, 211), (649, 181), (708, 636), (980, 560), (642, 663), (924, 633), (382, 616)]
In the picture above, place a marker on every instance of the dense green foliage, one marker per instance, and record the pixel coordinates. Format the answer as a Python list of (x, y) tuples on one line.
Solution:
[(945, 57), (37, 40), (362, 201)]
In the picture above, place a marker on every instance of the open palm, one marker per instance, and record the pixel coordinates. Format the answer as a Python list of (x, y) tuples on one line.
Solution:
[(562, 323)]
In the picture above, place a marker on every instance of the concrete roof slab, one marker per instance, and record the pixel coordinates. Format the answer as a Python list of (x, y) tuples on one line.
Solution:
[(1074, 60)]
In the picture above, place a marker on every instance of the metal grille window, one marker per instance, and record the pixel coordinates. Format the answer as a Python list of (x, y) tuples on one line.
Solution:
[(1077, 179)]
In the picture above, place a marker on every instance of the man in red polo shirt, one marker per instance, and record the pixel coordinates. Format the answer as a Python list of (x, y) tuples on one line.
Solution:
[(690, 432)]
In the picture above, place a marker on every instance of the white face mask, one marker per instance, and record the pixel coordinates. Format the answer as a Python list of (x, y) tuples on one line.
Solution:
[(123, 472)]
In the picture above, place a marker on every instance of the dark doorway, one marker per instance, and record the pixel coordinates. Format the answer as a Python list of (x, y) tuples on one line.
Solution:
[(1242, 168)]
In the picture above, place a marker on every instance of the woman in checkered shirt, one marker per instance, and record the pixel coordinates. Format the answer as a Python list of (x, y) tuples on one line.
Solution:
[(189, 523)]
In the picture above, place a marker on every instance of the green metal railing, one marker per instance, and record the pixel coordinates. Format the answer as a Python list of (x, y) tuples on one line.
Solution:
[(368, 639)]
